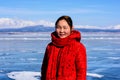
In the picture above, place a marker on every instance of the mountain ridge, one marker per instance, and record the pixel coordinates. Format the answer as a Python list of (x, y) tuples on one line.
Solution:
[(41, 28)]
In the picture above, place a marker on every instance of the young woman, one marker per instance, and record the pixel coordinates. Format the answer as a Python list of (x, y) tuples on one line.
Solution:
[(65, 56)]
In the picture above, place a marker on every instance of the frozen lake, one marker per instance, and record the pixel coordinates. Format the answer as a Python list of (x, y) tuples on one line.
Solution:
[(21, 55)]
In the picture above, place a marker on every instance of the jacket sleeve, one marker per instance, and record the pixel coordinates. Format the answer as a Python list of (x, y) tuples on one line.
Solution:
[(81, 63), (44, 65)]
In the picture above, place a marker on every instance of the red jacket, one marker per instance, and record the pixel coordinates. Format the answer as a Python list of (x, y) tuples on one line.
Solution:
[(64, 59)]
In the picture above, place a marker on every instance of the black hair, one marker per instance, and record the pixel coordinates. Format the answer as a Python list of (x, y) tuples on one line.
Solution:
[(67, 19)]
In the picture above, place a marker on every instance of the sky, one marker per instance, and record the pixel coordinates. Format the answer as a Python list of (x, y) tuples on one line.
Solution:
[(84, 13)]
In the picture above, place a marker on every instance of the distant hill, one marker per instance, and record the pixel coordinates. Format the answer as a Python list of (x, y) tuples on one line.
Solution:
[(41, 28), (38, 28)]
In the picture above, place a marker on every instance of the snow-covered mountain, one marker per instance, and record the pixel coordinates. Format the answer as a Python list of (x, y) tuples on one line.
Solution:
[(18, 25)]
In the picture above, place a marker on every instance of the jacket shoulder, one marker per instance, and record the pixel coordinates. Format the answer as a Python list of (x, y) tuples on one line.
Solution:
[(79, 45), (49, 45)]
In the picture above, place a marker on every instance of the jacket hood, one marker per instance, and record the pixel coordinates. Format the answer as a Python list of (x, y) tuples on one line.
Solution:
[(60, 42)]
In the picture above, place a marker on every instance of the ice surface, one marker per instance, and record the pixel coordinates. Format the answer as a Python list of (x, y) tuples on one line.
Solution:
[(22, 52), (24, 75), (95, 75), (29, 75)]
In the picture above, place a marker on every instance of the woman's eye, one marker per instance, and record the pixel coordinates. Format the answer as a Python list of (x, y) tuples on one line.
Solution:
[(65, 27), (58, 27)]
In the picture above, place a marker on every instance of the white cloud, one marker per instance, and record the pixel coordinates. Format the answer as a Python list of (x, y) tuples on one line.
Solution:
[(87, 27), (18, 23), (45, 23), (97, 27), (117, 27)]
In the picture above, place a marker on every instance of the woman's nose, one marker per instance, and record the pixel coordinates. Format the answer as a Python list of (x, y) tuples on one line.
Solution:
[(61, 30)]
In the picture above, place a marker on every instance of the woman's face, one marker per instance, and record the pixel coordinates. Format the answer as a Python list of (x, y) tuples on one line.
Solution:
[(63, 29)]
